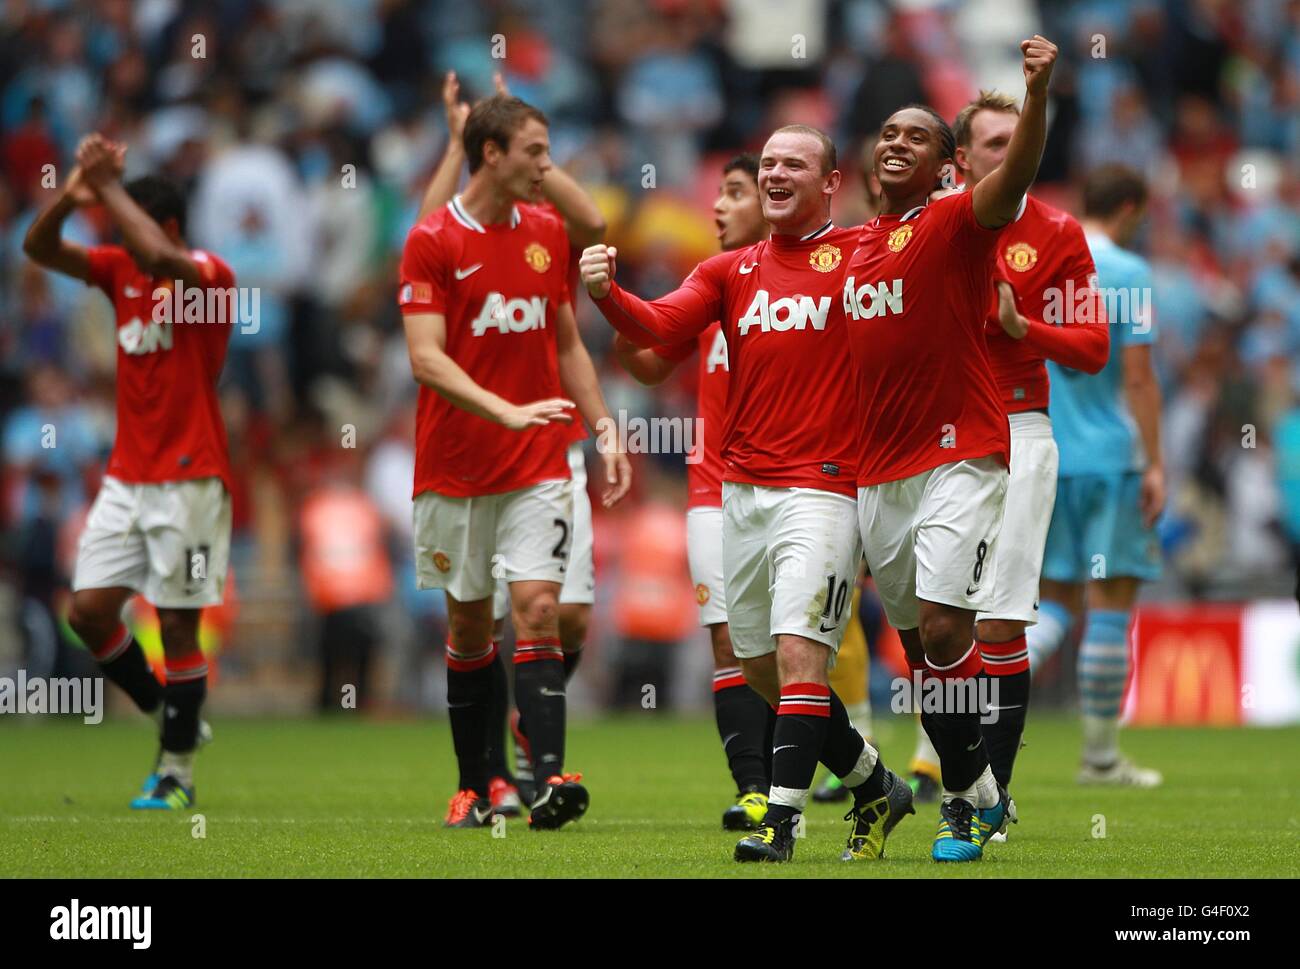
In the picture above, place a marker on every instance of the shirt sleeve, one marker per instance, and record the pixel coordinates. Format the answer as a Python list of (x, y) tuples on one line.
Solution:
[(680, 316), (103, 262), (677, 352), (422, 286), (1082, 341)]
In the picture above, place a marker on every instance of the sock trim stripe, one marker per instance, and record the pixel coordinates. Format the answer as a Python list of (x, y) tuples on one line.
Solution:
[(187, 675), (532, 654), (1005, 659), (468, 662), (804, 706), (969, 665), (117, 644), (731, 681), (193, 666)]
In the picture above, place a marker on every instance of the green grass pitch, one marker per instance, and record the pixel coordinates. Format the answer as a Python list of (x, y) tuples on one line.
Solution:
[(357, 798)]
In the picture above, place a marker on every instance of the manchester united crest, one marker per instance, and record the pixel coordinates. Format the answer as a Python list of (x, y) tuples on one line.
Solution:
[(701, 593), (1021, 256), (441, 562), (825, 258), (899, 237), (538, 259)]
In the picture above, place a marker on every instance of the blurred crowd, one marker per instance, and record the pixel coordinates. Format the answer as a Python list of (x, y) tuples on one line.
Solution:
[(304, 132)]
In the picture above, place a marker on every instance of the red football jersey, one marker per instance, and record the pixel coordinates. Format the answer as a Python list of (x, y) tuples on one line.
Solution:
[(499, 287), (170, 353), (1045, 257), (916, 295), (792, 391), (577, 431), (704, 467)]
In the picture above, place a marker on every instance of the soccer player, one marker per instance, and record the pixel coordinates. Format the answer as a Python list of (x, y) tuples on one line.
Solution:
[(935, 443), (744, 718), (790, 551), (1112, 484), (160, 525), (493, 343), (1044, 253), (584, 225)]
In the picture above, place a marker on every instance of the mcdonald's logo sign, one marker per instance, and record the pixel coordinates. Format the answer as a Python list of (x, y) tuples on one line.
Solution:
[(1188, 667)]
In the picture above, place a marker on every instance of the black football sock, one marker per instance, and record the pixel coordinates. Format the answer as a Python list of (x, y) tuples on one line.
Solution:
[(124, 664), (955, 732), (797, 742), (1007, 667), (742, 716), (498, 714), (539, 695), (182, 696), (571, 661), (849, 757), (470, 676)]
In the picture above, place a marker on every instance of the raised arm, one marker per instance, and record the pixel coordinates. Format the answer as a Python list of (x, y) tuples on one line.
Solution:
[(1081, 346), (674, 318), (997, 196), (44, 243), (426, 342), (155, 251), (442, 186)]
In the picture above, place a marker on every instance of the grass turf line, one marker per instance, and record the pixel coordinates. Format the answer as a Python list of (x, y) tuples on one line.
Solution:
[(354, 798)]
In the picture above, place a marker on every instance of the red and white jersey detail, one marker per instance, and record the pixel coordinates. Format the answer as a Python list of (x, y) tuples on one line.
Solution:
[(916, 295), (1045, 257), (170, 352), (792, 397), (499, 288), (704, 468)]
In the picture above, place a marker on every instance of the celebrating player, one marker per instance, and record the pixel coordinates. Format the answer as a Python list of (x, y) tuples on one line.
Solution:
[(584, 226), (932, 472), (1112, 483), (493, 342), (1044, 253), (160, 525), (790, 551), (745, 720)]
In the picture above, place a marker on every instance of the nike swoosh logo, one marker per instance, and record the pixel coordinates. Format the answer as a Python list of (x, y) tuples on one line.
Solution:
[(545, 692), (976, 744), (971, 590), (729, 738), (465, 273), (482, 815), (746, 270), (821, 628), (783, 747), (1014, 706)]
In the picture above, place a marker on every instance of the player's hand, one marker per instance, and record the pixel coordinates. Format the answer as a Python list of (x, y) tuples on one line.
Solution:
[(618, 477), (538, 414), (596, 266), (499, 82), (1015, 325), (79, 191), (456, 109), (100, 160), (1040, 55), (1151, 498)]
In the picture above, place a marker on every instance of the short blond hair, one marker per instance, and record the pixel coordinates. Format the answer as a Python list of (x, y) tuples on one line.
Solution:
[(987, 101)]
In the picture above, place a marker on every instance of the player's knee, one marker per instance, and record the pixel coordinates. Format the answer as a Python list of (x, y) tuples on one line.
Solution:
[(469, 631), (720, 639), (179, 630), (90, 619), (761, 676), (998, 630), (943, 632), (801, 660), (537, 613)]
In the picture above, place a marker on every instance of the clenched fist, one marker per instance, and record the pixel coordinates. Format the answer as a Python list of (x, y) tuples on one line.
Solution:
[(1040, 55), (596, 266)]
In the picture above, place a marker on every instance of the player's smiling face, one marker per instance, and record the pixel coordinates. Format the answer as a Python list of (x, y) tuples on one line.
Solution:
[(737, 212), (909, 155), (521, 168), (990, 134), (792, 185)]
